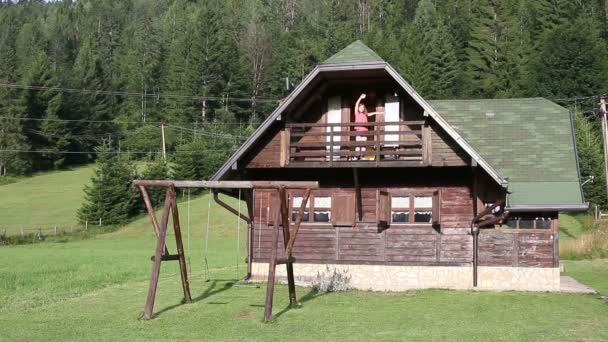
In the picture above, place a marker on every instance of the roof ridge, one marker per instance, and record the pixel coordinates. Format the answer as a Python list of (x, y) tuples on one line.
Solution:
[(355, 53)]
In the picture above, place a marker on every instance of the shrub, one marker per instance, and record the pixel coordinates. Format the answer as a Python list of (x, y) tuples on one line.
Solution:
[(332, 280)]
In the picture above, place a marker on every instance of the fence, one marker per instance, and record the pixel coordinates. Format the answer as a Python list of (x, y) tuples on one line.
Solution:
[(599, 215), (42, 230)]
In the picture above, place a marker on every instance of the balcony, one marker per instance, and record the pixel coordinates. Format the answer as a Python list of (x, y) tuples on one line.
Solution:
[(397, 144)]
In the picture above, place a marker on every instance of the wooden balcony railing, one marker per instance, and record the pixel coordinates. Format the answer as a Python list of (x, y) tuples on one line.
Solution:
[(403, 143)]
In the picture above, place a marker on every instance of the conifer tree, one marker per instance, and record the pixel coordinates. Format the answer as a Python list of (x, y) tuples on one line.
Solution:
[(110, 196), (430, 61), (591, 158)]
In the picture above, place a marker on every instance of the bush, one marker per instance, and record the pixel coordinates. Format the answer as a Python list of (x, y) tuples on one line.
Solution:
[(332, 280)]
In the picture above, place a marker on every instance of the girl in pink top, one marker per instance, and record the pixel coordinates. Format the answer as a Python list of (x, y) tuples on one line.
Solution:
[(362, 116)]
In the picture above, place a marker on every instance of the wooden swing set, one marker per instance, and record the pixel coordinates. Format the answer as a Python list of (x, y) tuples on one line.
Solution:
[(170, 207)]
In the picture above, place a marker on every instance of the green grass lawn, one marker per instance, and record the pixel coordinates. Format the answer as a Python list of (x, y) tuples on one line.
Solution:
[(44, 200), (570, 226), (95, 290)]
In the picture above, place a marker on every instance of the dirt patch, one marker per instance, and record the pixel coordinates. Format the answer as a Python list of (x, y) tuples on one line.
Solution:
[(246, 315)]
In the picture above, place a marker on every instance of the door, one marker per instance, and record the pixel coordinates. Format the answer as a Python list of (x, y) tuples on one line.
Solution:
[(391, 114), (334, 116)]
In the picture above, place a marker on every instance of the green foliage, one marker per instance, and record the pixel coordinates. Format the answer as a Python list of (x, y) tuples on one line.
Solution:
[(591, 159), (571, 61), (201, 158), (110, 197), (245, 49), (157, 169)]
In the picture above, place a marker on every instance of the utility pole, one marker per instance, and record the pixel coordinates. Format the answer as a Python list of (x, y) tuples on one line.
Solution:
[(162, 131), (605, 137)]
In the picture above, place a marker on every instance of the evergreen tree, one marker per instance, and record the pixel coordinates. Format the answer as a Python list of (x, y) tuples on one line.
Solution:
[(483, 49), (110, 196), (430, 61), (157, 170), (591, 159), (571, 62)]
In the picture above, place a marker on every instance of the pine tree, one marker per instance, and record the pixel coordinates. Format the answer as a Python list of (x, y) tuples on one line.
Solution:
[(110, 197), (591, 159), (157, 170), (571, 62), (430, 61), (483, 50)]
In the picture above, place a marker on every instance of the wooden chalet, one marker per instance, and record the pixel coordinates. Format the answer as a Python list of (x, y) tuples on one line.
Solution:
[(442, 194)]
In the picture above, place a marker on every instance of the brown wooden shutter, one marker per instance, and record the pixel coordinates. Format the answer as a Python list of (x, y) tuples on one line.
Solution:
[(383, 208), (343, 209), (437, 207)]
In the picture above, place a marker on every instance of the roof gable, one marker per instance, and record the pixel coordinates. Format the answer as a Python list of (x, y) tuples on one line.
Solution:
[(511, 159), (356, 52)]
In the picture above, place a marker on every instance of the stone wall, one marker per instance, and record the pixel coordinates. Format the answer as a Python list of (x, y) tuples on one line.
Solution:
[(402, 278)]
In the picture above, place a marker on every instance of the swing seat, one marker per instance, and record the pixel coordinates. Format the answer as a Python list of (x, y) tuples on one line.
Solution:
[(167, 257)]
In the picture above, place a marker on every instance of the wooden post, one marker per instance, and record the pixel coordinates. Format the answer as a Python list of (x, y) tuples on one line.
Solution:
[(286, 237), (180, 246), (272, 264), (151, 213), (160, 245)]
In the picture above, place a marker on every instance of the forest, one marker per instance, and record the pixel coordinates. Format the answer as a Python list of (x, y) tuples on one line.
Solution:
[(79, 79)]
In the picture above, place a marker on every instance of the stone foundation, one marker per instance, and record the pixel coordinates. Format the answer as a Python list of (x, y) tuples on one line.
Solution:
[(402, 278)]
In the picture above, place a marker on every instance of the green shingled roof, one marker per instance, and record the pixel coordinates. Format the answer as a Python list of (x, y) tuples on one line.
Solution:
[(355, 53), (530, 141)]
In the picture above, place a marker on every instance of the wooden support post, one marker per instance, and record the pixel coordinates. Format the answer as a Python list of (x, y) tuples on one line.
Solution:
[(292, 240), (286, 237), (359, 197), (160, 246), (272, 264), (180, 247), (151, 213)]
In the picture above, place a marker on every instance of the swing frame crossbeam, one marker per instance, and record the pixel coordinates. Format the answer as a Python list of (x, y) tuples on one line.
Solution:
[(170, 207)]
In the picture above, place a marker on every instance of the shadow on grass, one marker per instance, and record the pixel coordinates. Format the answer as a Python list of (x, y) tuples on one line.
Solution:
[(311, 295), (211, 290), (567, 233)]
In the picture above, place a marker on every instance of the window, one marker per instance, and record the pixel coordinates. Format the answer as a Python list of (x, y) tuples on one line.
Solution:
[(400, 209), (296, 204), (322, 209), (528, 222), (419, 208), (318, 208), (423, 209)]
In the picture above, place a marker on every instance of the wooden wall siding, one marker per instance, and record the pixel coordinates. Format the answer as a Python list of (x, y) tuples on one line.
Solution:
[(522, 249), (268, 155), (445, 151), (456, 203)]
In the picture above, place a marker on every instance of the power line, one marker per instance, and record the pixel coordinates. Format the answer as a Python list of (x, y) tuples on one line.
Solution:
[(150, 123), (135, 94), (115, 152)]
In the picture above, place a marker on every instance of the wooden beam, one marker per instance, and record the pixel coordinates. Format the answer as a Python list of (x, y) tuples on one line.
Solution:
[(227, 184), (286, 237), (292, 240), (151, 213), (272, 264), (180, 247), (358, 196), (160, 244)]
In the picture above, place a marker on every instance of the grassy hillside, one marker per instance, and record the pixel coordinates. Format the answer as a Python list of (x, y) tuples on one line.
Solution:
[(95, 290), (45, 200)]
